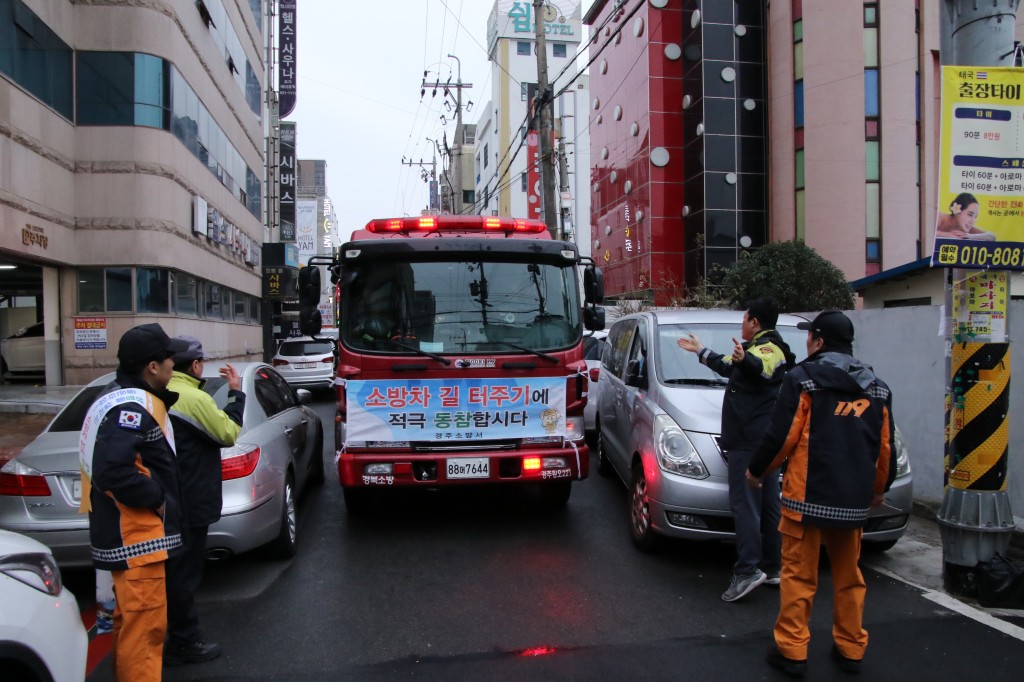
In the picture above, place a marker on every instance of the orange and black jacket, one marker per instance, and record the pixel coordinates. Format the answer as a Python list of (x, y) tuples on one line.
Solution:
[(833, 429), (134, 474)]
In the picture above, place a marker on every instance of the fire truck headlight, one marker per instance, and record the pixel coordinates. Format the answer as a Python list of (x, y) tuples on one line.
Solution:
[(377, 469)]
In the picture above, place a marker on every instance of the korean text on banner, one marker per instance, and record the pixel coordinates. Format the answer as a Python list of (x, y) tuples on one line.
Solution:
[(455, 410)]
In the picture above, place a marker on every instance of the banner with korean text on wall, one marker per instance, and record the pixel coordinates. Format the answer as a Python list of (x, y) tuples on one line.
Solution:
[(455, 410), (980, 218)]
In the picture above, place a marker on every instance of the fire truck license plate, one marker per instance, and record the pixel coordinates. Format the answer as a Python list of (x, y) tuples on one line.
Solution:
[(465, 467)]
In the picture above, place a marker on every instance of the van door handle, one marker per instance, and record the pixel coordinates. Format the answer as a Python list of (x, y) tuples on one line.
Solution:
[(289, 431)]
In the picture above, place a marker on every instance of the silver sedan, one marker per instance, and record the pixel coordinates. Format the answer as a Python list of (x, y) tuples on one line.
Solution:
[(279, 453)]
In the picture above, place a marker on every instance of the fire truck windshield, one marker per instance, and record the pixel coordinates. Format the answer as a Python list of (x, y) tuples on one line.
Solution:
[(459, 306)]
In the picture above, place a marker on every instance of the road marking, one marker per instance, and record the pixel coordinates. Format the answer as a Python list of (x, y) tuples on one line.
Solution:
[(954, 604)]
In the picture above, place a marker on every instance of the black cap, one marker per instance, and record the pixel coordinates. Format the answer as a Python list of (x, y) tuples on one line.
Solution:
[(145, 343), (832, 326), (193, 352)]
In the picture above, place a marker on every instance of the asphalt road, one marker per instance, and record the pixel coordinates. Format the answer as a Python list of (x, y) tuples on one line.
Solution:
[(484, 585)]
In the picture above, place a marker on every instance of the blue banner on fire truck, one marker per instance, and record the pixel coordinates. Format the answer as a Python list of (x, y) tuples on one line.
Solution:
[(455, 409)]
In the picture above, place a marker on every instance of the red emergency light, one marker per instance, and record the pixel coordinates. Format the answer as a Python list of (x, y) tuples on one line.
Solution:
[(456, 223)]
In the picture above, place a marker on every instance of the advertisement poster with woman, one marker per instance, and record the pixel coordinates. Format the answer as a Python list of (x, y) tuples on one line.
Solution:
[(980, 217)]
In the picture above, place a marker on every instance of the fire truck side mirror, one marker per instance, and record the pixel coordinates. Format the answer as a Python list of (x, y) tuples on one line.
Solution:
[(594, 318), (310, 321), (593, 285)]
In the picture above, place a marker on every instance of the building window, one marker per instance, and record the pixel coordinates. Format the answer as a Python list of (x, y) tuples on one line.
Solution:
[(870, 14), (522, 47), (35, 58), (524, 182), (486, 155), (871, 161), (871, 92), (122, 89), (254, 310), (798, 162), (119, 289), (798, 104), (186, 294), (873, 210), (801, 214), (558, 50), (152, 290), (873, 251)]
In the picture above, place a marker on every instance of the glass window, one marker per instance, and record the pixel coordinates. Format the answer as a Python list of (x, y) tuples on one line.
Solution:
[(240, 305), (90, 290), (719, 193), (718, 41), (798, 61), (719, 152), (558, 50), (871, 15), (524, 182), (119, 290), (267, 393), (871, 47), (719, 116), (873, 210), (150, 91), (186, 294), (873, 251), (105, 88), (34, 57), (152, 288), (254, 310), (798, 104), (211, 301), (801, 215), (522, 47), (871, 92), (871, 172), (871, 129), (798, 31), (798, 159), (720, 228)]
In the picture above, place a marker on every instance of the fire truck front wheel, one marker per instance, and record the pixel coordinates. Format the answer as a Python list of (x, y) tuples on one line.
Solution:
[(555, 494)]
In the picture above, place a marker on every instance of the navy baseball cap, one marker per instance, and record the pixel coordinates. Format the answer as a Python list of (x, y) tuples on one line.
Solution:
[(145, 343), (832, 326)]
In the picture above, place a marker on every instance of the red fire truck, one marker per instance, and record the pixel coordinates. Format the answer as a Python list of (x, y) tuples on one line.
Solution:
[(459, 355)]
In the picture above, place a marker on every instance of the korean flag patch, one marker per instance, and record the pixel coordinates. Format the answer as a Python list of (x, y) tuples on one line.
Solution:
[(130, 420)]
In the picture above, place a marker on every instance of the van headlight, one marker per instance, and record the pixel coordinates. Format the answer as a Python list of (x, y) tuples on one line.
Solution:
[(675, 452), (902, 458)]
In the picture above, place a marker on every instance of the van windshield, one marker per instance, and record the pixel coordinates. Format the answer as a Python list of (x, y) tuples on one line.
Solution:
[(463, 306), (678, 366)]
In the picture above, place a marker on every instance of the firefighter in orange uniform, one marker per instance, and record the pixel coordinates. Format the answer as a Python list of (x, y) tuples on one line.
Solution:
[(130, 491), (833, 429)]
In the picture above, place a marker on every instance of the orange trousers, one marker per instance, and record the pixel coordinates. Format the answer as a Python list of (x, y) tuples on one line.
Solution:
[(140, 622), (801, 547)]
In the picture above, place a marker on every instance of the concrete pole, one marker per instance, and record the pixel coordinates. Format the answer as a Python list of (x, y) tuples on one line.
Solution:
[(457, 147), (547, 167), (975, 520)]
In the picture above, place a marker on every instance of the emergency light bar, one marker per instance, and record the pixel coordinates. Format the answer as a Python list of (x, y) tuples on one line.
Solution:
[(456, 223)]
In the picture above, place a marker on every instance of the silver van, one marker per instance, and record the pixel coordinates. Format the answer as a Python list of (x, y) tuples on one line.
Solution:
[(659, 420)]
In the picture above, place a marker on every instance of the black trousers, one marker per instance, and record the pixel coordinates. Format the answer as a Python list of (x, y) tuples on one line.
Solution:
[(184, 574)]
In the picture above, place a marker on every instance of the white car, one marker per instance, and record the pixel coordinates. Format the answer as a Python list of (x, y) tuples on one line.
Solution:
[(305, 362), (41, 632), (593, 348), (23, 353)]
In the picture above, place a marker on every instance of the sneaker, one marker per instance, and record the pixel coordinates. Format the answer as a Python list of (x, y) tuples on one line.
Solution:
[(742, 585), (847, 665), (790, 666), (194, 652), (774, 578)]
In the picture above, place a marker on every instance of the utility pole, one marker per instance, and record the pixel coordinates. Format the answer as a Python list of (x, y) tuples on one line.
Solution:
[(975, 520), (430, 178), (546, 101), (455, 158)]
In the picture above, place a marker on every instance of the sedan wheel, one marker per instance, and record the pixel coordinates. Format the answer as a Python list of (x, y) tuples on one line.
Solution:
[(640, 529), (285, 544)]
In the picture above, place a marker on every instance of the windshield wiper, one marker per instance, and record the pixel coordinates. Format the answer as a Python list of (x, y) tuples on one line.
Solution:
[(697, 382), (419, 351), (549, 358)]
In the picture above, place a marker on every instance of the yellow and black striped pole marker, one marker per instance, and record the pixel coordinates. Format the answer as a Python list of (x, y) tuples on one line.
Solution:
[(978, 426)]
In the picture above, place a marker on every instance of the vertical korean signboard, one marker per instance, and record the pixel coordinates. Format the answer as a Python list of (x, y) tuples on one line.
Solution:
[(286, 72), (287, 182), (980, 222)]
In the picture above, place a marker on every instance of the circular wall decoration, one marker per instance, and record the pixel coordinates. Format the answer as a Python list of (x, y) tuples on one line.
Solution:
[(700, 129), (638, 27), (597, 245), (614, 176), (660, 4), (746, 241), (728, 74), (639, 216), (695, 19), (730, 178), (686, 211), (600, 119), (597, 104), (604, 66), (628, 186), (740, 30), (749, 104), (596, 187), (660, 157), (687, 101), (673, 51), (604, 153), (617, 114), (634, 129), (607, 229)]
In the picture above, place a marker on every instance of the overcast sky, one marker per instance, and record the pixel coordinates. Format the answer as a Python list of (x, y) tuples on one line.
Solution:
[(360, 70)]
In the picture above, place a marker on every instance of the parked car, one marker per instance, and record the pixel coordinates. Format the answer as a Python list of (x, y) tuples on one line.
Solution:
[(279, 454), (594, 345), (41, 632), (23, 353), (306, 362), (659, 421)]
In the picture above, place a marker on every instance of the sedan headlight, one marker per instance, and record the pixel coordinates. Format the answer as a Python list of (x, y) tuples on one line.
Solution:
[(38, 571), (675, 452), (902, 458)]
